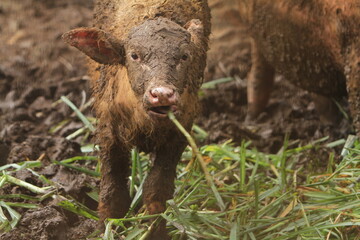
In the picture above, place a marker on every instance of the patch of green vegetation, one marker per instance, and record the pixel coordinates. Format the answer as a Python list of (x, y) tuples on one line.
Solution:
[(224, 191)]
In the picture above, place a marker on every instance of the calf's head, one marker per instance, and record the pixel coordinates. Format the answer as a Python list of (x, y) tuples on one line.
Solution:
[(164, 61)]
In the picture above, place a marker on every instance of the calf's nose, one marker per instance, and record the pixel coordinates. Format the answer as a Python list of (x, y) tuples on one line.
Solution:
[(162, 96)]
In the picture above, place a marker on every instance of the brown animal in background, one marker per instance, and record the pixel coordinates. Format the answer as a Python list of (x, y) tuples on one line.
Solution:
[(150, 58), (315, 44)]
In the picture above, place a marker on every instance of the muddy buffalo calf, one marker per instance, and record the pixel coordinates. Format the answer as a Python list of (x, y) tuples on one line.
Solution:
[(148, 58), (315, 44)]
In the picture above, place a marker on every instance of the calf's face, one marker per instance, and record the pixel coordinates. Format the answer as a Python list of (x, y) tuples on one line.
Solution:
[(161, 58)]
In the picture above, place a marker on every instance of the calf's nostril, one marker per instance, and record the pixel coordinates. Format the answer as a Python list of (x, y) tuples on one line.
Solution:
[(170, 93), (154, 93), (162, 92)]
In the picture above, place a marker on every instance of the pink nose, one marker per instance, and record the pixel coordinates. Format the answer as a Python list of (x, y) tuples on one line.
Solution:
[(162, 96)]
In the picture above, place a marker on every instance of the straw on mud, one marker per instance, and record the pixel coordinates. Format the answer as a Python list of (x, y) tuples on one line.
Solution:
[(23, 165), (15, 216), (108, 234), (26, 185), (76, 133)]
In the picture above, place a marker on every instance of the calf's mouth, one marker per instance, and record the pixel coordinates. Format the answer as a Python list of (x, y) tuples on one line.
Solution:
[(161, 111)]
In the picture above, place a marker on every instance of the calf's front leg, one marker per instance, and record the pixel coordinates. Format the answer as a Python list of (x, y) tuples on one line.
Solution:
[(114, 195), (159, 185)]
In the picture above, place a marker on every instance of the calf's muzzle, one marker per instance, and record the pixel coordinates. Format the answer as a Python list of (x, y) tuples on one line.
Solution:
[(160, 101)]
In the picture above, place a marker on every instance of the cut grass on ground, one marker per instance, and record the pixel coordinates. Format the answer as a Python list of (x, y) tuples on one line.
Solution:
[(243, 194)]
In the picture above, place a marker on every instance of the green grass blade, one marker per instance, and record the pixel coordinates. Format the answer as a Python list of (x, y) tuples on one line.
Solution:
[(77, 158), (78, 113), (80, 169), (135, 233), (22, 205), (15, 216), (108, 234), (78, 208), (212, 84), (28, 186), (233, 232)]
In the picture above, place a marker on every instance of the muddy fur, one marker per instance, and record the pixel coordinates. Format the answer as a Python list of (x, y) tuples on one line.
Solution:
[(142, 48), (313, 43), (118, 17)]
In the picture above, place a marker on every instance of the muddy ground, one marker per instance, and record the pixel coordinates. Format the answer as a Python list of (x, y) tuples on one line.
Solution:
[(37, 68)]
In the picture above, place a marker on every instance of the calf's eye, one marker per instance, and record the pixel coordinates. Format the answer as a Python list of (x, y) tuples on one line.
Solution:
[(184, 57), (134, 56)]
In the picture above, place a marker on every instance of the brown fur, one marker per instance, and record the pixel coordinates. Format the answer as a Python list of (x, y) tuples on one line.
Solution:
[(118, 17), (313, 43), (122, 42)]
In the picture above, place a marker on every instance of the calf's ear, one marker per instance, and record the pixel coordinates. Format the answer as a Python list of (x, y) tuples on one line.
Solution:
[(97, 44), (196, 29)]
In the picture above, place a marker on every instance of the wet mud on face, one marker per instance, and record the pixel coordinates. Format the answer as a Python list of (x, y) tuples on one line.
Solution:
[(37, 68)]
